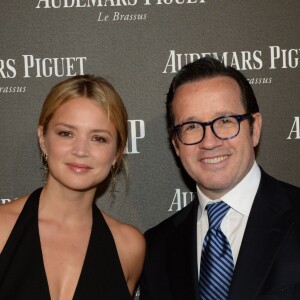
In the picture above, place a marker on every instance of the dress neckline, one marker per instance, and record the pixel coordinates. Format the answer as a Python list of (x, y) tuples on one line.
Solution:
[(37, 202)]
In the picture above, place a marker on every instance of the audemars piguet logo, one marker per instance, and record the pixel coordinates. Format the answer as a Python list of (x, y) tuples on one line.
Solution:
[(275, 57), (180, 200), (109, 3), (136, 132), (115, 10), (29, 66), (295, 130)]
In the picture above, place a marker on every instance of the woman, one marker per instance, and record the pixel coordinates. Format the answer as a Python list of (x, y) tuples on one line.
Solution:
[(56, 244)]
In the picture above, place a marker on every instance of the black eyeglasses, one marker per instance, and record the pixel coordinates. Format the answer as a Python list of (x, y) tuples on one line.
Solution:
[(224, 128)]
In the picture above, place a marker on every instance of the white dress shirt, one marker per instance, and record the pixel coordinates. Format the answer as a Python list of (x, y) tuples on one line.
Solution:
[(240, 200)]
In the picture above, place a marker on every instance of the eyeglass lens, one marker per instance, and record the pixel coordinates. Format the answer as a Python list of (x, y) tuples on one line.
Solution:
[(223, 128)]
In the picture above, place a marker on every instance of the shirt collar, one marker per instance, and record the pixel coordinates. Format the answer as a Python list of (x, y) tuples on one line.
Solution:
[(241, 197)]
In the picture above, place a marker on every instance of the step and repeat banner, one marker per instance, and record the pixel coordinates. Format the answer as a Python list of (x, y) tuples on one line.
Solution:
[(138, 45)]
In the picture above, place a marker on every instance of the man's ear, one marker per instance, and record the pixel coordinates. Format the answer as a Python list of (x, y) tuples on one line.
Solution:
[(175, 145), (41, 137), (257, 125)]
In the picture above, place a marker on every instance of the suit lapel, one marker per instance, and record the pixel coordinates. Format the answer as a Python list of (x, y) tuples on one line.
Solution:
[(269, 222), (182, 255)]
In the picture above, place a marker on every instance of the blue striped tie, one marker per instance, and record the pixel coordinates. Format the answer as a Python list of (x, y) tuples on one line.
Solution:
[(216, 260)]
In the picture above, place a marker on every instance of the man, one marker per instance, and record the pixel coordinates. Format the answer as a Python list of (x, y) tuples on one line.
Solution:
[(215, 124)]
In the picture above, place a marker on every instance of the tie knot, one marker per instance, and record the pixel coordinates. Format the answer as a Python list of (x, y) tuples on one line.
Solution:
[(216, 213)]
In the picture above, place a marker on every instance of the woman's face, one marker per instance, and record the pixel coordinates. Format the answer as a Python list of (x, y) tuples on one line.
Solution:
[(81, 145)]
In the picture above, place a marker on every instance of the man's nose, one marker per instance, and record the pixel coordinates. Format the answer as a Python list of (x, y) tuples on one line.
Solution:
[(210, 140)]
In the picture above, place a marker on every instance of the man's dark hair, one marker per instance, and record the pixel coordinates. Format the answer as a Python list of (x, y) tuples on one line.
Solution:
[(205, 68)]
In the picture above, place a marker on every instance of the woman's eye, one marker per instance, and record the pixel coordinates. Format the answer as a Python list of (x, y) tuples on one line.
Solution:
[(64, 133), (99, 139)]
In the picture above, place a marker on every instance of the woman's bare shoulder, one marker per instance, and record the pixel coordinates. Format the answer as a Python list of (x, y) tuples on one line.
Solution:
[(131, 247), (12, 208), (125, 232), (9, 214)]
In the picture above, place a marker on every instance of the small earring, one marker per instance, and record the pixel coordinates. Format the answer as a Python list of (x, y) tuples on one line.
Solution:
[(45, 166)]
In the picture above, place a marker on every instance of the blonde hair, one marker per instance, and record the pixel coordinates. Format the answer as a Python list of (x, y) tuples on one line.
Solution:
[(98, 90)]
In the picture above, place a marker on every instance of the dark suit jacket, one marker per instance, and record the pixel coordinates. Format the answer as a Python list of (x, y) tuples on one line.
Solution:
[(268, 265)]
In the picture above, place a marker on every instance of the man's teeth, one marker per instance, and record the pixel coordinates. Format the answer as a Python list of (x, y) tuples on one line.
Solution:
[(215, 160)]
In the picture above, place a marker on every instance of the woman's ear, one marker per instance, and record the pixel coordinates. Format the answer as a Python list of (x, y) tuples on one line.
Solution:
[(41, 137)]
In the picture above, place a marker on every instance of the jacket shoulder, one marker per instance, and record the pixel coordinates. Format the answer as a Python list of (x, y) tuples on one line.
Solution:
[(172, 223), (280, 189)]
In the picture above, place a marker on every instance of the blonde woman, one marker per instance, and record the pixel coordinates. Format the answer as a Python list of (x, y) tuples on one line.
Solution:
[(56, 244)]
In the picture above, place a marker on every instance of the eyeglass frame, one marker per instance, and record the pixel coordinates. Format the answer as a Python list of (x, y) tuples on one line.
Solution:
[(239, 118)]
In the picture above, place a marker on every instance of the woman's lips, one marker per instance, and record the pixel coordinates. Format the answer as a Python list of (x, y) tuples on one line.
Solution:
[(79, 168)]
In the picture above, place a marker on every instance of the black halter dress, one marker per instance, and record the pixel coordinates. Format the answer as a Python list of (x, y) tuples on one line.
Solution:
[(22, 272)]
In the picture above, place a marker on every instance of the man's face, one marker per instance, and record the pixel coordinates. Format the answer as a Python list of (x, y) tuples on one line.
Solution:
[(216, 165)]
